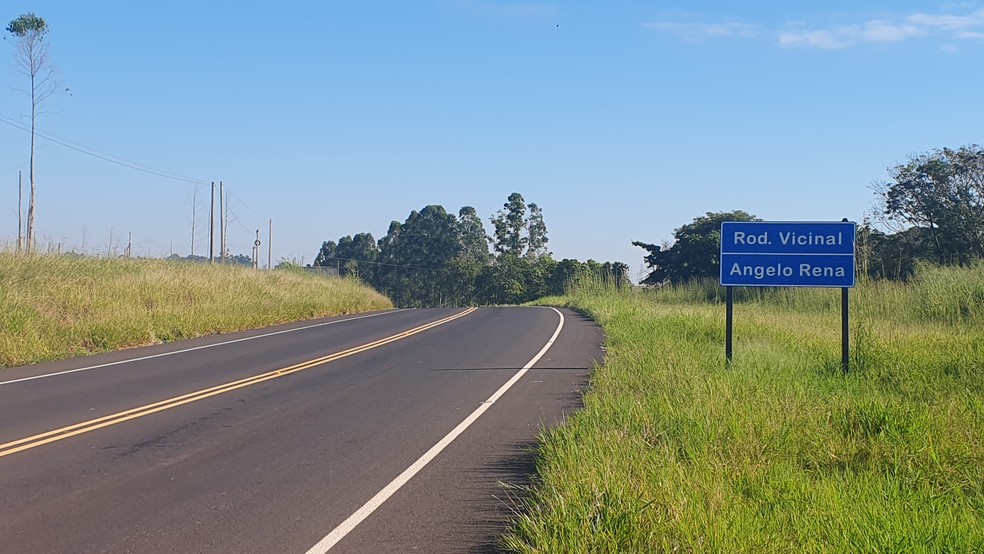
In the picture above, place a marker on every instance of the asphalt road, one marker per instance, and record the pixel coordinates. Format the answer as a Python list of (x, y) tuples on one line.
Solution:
[(343, 434)]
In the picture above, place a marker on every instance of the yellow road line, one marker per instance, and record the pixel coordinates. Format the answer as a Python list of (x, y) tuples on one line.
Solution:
[(86, 426)]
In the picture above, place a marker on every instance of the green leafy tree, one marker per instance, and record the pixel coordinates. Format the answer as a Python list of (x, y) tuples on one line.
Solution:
[(519, 230), (514, 280), (473, 242), (416, 255), (893, 256), (328, 255), (509, 224), (695, 252), (566, 274), (943, 193), (352, 256), (359, 254), (461, 278), (536, 238), (32, 59), (387, 273), (436, 259), (504, 282), (388, 242), (616, 273)]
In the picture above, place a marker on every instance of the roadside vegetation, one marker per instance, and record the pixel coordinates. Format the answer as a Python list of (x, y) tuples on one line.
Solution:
[(58, 306), (435, 258), (782, 452)]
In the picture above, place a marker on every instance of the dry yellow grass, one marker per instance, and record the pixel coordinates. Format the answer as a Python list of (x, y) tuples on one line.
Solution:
[(54, 307)]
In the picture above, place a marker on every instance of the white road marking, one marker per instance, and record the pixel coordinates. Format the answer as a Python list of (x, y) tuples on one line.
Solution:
[(346, 527), (142, 358)]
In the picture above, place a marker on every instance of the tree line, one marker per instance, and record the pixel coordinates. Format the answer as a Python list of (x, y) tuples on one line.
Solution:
[(931, 210), (435, 258)]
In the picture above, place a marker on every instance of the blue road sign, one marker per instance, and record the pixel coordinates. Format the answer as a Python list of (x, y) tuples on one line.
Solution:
[(787, 254)]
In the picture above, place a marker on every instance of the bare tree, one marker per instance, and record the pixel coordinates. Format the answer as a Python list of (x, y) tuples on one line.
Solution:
[(195, 210), (32, 58)]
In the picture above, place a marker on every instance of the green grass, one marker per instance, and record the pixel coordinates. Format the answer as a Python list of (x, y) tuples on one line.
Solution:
[(782, 452), (54, 307)]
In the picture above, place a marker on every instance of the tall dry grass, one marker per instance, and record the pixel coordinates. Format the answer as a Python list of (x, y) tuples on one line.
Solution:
[(56, 306)]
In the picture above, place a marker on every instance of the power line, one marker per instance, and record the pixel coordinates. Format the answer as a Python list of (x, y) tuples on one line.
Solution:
[(105, 157), (437, 269), (236, 219), (124, 163), (247, 206)]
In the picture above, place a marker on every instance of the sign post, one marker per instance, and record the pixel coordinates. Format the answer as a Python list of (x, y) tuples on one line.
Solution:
[(788, 254)]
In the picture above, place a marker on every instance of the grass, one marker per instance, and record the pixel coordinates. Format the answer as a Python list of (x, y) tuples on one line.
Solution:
[(57, 306), (782, 452)]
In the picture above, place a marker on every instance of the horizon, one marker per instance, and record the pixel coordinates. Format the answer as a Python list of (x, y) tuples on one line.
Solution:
[(622, 122)]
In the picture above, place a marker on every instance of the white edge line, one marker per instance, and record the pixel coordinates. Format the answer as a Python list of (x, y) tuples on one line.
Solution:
[(203, 347), (346, 527)]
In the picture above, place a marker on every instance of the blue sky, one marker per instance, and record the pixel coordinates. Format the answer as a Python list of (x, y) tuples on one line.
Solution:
[(623, 119)]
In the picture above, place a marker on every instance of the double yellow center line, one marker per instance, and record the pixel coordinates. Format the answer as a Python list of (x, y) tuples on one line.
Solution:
[(34, 441)]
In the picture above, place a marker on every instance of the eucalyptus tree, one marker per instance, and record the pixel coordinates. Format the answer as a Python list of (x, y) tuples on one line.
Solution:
[(509, 224), (32, 59), (415, 256), (473, 242), (519, 229), (328, 255), (353, 256), (536, 233)]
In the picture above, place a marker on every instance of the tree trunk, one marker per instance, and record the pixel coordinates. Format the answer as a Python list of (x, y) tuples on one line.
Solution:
[(30, 201)]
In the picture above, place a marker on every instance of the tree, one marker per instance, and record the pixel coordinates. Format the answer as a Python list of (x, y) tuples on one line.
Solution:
[(616, 273), (943, 193), (437, 259), (353, 256), (694, 254), (504, 282), (566, 275), (536, 239), (517, 233), (509, 226), (359, 254), (32, 58), (892, 256), (415, 256), (473, 243), (328, 255), (195, 210)]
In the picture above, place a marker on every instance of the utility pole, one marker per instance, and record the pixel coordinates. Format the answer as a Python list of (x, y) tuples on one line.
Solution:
[(222, 226), (194, 218), (270, 247), (129, 244), (225, 227), (256, 251), (211, 227), (20, 211)]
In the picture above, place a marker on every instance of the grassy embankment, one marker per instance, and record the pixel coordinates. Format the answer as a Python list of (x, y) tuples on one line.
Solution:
[(782, 452), (59, 306)]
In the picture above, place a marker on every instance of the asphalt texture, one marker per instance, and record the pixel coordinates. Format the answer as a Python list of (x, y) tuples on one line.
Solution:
[(276, 465)]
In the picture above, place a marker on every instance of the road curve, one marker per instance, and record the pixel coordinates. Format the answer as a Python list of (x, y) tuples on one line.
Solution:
[(276, 440)]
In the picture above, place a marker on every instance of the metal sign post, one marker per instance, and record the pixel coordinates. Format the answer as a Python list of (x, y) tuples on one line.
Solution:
[(730, 320), (845, 332), (788, 254)]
